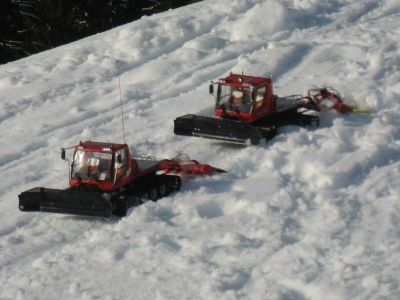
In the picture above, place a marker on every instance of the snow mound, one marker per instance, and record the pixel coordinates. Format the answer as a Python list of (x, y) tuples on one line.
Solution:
[(312, 214)]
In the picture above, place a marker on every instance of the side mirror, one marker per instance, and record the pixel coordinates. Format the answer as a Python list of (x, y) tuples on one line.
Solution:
[(119, 159), (62, 153), (211, 89)]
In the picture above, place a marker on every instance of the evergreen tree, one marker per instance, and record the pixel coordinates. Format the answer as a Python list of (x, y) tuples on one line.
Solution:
[(48, 23), (11, 47), (30, 26)]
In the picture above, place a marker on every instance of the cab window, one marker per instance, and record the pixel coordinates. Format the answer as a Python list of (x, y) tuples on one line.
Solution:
[(234, 98), (92, 165), (259, 97), (121, 167)]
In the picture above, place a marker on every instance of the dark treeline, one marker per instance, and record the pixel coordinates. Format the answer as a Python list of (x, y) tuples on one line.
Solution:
[(31, 26)]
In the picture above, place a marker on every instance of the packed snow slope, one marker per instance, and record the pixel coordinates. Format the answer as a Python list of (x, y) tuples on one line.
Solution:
[(312, 214)]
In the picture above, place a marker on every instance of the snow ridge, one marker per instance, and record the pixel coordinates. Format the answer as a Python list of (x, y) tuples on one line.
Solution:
[(312, 214)]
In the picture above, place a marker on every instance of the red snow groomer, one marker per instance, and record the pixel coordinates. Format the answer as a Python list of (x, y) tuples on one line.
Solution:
[(247, 111), (106, 180)]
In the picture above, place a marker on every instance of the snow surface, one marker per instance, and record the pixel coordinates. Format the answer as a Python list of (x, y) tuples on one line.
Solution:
[(312, 214)]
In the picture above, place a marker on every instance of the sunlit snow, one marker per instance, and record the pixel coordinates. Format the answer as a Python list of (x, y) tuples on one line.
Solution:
[(312, 214)]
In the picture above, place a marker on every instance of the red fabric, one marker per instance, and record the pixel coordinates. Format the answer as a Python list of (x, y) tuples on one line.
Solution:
[(338, 104)]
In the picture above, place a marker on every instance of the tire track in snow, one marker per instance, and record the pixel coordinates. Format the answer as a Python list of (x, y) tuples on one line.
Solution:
[(27, 244), (72, 87), (228, 265), (155, 56)]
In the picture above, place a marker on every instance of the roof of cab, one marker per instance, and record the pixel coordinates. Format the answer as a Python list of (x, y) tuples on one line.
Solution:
[(241, 79), (100, 146)]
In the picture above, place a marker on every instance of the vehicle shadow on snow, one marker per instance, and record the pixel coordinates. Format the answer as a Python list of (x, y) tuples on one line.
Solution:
[(190, 184), (228, 145), (211, 184), (92, 219)]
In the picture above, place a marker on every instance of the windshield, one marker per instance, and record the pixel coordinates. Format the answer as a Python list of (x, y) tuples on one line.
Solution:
[(234, 98), (92, 165)]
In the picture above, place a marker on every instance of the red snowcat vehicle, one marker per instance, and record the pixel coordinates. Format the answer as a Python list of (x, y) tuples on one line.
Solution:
[(247, 111), (106, 180)]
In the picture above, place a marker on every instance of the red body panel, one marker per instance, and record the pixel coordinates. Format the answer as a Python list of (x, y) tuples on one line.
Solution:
[(241, 80), (259, 108), (123, 179), (337, 102)]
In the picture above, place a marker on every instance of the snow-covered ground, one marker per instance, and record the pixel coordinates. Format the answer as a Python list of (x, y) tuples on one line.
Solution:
[(312, 214)]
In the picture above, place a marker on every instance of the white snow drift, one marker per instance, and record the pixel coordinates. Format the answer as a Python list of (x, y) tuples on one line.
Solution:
[(312, 214)]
